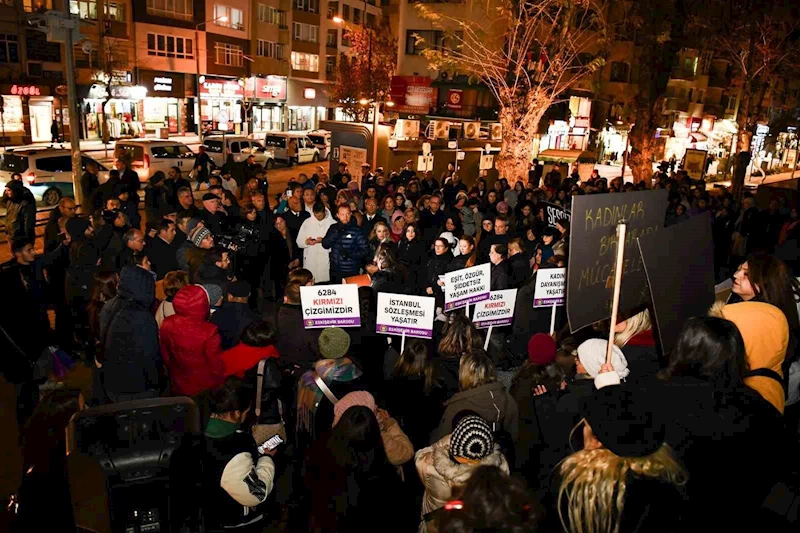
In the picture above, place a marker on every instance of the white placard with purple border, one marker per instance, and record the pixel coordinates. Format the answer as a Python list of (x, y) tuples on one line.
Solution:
[(551, 287), (399, 314), (498, 310), (466, 286), (330, 306)]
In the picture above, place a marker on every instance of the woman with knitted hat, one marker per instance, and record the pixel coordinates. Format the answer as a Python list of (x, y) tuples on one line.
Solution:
[(448, 464), (626, 478), (535, 388), (331, 379)]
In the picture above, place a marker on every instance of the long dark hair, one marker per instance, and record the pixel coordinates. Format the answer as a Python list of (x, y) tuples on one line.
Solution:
[(460, 337), (416, 360), (44, 435), (104, 289), (711, 349), (774, 284), (548, 375)]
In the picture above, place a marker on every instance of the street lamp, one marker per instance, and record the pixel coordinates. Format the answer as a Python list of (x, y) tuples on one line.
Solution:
[(223, 18)]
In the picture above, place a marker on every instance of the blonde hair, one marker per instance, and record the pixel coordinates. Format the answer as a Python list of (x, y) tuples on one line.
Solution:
[(475, 369), (633, 326), (594, 485)]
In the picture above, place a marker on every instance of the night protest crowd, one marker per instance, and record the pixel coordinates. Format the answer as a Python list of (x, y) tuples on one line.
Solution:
[(446, 436)]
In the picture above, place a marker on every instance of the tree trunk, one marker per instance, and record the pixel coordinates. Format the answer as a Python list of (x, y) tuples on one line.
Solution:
[(642, 138), (519, 128)]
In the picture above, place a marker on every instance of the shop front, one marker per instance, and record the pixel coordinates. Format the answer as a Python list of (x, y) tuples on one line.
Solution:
[(165, 105), (221, 104), (307, 104), (27, 113), (266, 99), (123, 110)]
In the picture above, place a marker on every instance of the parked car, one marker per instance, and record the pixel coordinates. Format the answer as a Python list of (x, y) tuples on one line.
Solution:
[(149, 156), (306, 150), (218, 147), (47, 172), (322, 140)]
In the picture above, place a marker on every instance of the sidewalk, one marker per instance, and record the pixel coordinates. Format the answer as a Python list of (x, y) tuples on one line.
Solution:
[(96, 149)]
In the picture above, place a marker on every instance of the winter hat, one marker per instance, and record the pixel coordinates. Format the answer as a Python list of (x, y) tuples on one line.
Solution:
[(198, 234), (333, 343), (239, 289), (471, 440), (624, 422), (502, 207), (76, 227), (214, 293), (210, 196), (541, 349), (191, 224), (396, 215), (452, 241), (592, 355), (353, 399)]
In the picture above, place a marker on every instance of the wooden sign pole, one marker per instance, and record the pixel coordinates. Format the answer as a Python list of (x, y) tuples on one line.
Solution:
[(621, 231)]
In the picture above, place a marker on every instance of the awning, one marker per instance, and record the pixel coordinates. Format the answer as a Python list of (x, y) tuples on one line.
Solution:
[(697, 137)]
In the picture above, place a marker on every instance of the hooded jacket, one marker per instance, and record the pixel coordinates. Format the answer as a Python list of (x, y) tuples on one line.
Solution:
[(440, 474), (491, 401), (129, 337), (766, 337), (190, 344)]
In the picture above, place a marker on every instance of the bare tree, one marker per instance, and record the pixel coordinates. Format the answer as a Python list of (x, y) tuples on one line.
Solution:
[(528, 53)]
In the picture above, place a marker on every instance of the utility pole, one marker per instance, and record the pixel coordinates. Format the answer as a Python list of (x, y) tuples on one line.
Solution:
[(74, 139)]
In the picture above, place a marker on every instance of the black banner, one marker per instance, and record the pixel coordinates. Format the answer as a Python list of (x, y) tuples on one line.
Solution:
[(680, 271), (593, 250), (553, 213)]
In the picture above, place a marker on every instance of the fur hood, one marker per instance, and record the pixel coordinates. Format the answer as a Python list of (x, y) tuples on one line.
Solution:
[(457, 474)]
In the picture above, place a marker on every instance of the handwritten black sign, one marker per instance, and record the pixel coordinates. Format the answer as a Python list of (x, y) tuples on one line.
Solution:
[(680, 272), (553, 213), (593, 251)]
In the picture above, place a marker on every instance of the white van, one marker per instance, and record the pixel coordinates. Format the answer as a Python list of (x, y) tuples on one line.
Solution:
[(322, 140), (149, 156), (219, 146), (306, 150)]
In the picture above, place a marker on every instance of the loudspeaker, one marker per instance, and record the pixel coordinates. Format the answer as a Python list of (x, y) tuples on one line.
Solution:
[(118, 462)]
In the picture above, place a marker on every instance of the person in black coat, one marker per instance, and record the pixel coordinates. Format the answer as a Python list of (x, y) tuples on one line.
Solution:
[(295, 216), (299, 347), (129, 362), (499, 274), (130, 208), (518, 266), (89, 183), (161, 251), (437, 266), (284, 256), (234, 315), (19, 198), (349, 247), (127, 176), (412, 255), (155, 197)]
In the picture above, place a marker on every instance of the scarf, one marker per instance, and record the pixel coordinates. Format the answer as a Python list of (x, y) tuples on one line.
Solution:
[(309, 395)]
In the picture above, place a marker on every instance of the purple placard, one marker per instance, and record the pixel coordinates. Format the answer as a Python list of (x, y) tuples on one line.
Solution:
[(467, 301), (410, 332), (497, 322), (546, 302), (333, 322)]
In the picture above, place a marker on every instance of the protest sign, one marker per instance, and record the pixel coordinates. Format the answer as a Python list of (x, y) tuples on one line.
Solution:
[(498, 310), (553, 213), (680, 271), (466, 286), (593, 250), (330, 306), (551, 286), (399, 314)]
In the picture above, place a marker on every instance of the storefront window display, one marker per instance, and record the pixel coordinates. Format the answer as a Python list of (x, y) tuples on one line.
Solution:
[(303, 118), (267, 118), (12, 114), (221, 104), (164, 104), (266, 97)]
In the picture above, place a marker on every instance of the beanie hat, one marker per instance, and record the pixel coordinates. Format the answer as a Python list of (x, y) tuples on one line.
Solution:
[(198, 234), (333, 343), (624, 422), (210, 196), (471, 440), (214, 293), (592, 355), (451, 241), (541, 349), (353, 399)]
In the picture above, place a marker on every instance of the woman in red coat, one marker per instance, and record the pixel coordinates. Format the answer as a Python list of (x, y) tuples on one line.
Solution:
[(190, 344)]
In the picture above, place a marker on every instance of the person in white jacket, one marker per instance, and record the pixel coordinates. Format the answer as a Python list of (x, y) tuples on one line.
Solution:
[(309, 238)]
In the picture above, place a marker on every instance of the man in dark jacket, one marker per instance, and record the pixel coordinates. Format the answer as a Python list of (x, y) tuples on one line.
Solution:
[(174, 183), (129, 360), (349, 248), (428, 184), (130, 207), (295, 216), (518, 267), (535, 173), (109, 189), (201, 164), (127, 176), (186, 201), (234, 315), (431, 220), (67, 209), (211, 215), (341, 178), (299, 347), (162, 250), (20, 211), (499, 276), (89, 184), (155, 197)]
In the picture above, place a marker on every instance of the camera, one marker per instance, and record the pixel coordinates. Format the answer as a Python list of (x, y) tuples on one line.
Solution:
[(239, 238)]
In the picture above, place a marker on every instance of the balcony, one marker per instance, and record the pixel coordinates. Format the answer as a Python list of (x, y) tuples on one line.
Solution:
[(681, 73), (672, 105)]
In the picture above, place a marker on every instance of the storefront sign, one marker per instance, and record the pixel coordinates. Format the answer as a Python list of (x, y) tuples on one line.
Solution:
[(12, 114), (454, 98), (330, 306), (553, 213), (498, 310), (354, 157), (97, 91), (551, 287), (220, 88), (269, 88), (309, 93), (169, 84), (410, 315), (124, 92), (412, 94), (593, 249), (26, 90), (466, 286)]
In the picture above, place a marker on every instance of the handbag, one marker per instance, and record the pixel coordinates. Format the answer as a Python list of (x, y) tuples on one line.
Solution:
[(263, 432)]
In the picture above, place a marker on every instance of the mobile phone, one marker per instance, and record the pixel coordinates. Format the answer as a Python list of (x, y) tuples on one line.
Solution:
[(288, 193), (271, 443)]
